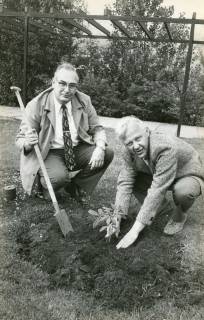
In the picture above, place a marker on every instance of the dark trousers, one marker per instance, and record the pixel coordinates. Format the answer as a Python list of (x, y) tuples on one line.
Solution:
[(85, 178)]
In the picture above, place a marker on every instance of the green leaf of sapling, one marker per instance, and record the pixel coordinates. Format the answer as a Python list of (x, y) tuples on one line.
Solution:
[(93, 213)]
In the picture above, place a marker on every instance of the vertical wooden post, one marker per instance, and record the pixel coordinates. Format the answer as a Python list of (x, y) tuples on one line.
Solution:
[(25, 58), (186, 76)]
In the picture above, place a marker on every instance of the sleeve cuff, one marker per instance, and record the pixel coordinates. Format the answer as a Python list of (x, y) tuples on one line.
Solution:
[(146, 222), (101, 144)]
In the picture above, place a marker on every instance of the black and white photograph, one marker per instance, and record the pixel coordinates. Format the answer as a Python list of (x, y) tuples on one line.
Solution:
[(101, 159)]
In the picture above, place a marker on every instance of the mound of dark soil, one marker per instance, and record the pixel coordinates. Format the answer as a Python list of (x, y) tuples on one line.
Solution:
[(140, 275)]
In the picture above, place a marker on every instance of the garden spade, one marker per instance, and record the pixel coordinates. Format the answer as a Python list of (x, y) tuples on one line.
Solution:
[(60, 214)]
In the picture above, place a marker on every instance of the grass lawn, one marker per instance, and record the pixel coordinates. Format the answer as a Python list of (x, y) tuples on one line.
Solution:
[(44, 276)]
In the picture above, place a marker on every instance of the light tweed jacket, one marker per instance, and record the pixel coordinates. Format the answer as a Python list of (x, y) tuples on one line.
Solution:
[(169, 158), (41, 116)]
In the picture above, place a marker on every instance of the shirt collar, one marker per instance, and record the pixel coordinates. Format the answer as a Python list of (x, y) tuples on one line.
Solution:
[(58, 105)]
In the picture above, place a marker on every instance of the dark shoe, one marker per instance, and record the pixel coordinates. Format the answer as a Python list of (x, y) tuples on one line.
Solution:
[(78, 194), (45, 195)]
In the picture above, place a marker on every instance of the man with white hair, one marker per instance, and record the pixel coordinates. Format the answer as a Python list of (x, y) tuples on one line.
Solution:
[(66, 126), (153, 164)]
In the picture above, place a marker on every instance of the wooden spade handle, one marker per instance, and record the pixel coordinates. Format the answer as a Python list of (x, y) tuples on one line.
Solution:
[(37, 151)]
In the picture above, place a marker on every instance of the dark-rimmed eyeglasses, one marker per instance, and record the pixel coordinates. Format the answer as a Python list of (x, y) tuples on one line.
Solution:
[(63, 85)]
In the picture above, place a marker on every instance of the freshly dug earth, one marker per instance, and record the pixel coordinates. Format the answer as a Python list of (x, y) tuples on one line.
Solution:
[(149, 270), (139, 276)]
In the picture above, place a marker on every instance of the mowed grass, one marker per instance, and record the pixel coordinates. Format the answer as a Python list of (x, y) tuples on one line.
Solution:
[(43, 276)]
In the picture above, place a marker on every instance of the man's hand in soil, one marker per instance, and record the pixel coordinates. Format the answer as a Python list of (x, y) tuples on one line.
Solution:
[(31, 138), (131, 236)]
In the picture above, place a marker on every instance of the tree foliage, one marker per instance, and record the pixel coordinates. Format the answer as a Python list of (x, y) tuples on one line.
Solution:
[(122, 77), (45, 50), (143, 78)]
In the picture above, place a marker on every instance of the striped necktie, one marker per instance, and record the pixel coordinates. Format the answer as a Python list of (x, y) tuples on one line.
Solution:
[(68, 147)]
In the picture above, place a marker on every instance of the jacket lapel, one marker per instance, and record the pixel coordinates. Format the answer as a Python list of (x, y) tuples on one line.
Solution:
[(150, 160), (50, 108), (77, 110)]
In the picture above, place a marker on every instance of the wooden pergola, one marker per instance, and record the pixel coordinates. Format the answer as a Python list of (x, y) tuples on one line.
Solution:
[(65, 24)]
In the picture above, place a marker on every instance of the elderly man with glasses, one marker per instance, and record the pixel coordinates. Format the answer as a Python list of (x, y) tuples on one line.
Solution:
[(65, 125)]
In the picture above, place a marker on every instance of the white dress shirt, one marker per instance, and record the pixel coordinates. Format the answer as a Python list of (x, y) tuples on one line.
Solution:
[(58, 142)]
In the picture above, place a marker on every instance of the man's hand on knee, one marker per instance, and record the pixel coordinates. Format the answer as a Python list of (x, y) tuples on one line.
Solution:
[(97, 158)]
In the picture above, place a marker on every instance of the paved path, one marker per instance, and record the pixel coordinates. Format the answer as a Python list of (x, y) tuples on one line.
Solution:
[(186, 131)]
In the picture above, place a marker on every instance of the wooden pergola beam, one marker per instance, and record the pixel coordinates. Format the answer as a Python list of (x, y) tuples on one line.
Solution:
[(19, 27), (25, 57), (11, 24), (144, 29), (186, 76), (101, 17), (98, 26), (69, 19), (167, 26), (60, 27), (42, 26), (50, 30), (79, 26), (95, 24), (119, 25), (137, 39)]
